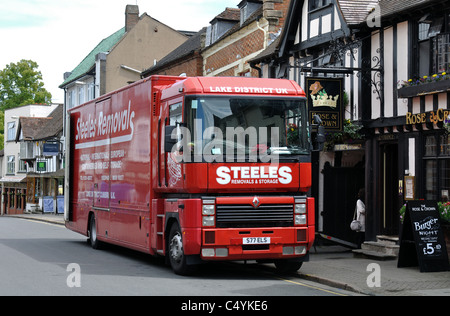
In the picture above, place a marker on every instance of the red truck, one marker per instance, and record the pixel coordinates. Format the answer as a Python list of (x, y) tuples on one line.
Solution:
[(194, 169)]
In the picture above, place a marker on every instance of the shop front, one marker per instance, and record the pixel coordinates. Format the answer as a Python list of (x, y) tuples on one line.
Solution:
[(46, 192), (13, 194), (410, 160)]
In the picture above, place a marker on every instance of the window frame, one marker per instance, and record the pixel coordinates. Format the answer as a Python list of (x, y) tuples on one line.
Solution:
[(317, 4), (426, 42), (436, 155), (11, 135), (11, 165)]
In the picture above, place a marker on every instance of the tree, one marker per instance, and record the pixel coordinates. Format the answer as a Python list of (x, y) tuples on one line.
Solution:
[(21, 84)]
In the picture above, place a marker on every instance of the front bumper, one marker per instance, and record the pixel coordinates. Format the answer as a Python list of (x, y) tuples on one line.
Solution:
[(255, 243)]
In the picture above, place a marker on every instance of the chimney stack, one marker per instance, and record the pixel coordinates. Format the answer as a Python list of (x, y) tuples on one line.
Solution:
[(275, 11), (131, 16)]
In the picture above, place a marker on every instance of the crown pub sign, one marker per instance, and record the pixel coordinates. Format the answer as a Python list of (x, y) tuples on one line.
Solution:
[(325, 96)]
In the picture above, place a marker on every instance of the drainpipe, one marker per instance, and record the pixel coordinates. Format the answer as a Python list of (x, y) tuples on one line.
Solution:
[(264, 31), (258, 25), (257, 69)]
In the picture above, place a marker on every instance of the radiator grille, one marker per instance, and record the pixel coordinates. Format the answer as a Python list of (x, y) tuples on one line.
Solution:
[(266, 215)]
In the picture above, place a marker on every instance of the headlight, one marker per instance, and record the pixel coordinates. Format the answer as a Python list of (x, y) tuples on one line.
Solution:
[(208, 210), (300, 219), (300, 208), (208, 220)]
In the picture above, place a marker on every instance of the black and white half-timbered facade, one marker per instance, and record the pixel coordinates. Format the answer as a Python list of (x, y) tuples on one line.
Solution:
[(387, 124)]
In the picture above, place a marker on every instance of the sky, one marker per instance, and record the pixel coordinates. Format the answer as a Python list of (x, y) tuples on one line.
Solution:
[(58, 34)]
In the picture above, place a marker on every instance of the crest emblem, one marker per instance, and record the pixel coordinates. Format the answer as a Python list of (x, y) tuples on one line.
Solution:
[(256, 202)]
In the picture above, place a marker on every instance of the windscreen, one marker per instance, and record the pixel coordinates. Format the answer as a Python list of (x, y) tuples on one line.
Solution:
[(238, 129)]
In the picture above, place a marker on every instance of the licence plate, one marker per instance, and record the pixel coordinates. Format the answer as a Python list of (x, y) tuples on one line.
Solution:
[(256, 240)]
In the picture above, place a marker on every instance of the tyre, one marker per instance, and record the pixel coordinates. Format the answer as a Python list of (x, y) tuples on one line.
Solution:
[(95, 243), (177, 258), (288, 266)]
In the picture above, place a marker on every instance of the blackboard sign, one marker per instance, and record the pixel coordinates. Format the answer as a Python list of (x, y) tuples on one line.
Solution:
[(422, 241)]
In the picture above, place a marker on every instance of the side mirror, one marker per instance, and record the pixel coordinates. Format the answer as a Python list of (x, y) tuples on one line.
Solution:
[(169, 142)]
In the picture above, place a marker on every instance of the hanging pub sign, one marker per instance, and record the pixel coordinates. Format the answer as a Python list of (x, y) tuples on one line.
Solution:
[(422, 240), (325, 96), (50, 149)]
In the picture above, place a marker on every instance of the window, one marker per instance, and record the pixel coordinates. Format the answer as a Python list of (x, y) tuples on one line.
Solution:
[(441, 58), (71, 99), (436, 27), (60, 186), (423, 31), (433, 36), (247, 8), (11, 165), (424, 49), (244, 13), (11, 131), (81, 95), (22, 166), (175, 114), (437, 167), (220, 25), (237, 129), (315, 4), (91, 92)]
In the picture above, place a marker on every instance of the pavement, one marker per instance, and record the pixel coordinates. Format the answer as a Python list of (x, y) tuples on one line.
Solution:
[(336, 266)]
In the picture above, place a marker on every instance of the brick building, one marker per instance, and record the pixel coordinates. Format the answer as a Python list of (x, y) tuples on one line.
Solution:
[(257, 25), (185, 59), (224, 48)]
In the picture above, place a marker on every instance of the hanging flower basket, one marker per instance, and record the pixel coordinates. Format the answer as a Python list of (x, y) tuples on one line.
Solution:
[(424, 85), (351, 134), (444, 212)]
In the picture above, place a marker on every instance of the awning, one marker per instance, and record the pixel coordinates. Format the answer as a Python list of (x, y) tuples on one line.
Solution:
[(14, 179), (53, 175)]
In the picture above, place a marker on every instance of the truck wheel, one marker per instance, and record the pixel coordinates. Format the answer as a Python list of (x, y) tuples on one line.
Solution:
[(95, 243), (176, 254), (287, 266)]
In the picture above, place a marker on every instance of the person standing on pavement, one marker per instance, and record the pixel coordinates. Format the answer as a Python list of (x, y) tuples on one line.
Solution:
[(361, 217)]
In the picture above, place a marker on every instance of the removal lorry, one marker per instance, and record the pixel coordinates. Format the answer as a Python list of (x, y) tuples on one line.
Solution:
[(194, 169)]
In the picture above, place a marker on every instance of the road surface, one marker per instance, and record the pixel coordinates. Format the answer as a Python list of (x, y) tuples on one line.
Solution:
[(38, 258)]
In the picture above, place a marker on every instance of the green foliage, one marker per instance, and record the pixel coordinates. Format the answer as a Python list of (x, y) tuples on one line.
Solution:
[(444, 211), (21, 84), (351, 133)]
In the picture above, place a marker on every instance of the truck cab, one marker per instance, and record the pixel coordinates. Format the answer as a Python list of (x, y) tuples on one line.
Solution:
[(236, 168)]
